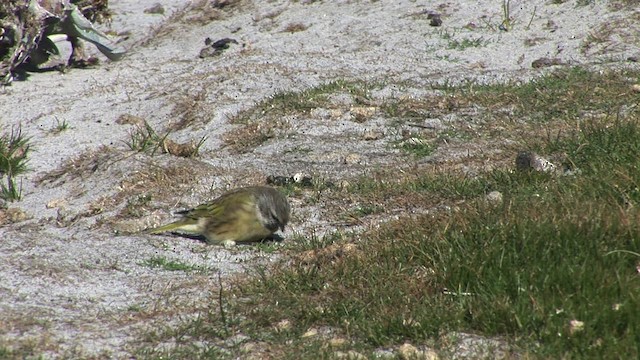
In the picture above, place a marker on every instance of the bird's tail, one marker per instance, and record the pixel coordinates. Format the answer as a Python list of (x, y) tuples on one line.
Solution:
[(185, 226)]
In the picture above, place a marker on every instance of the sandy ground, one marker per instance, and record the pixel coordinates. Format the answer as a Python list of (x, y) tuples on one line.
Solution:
[(74, 284)]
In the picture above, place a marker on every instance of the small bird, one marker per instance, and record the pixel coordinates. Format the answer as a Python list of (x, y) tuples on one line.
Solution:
[(242, 215)]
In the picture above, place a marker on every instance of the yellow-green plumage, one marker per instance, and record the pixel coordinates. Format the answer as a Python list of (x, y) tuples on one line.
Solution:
[(242, 215)]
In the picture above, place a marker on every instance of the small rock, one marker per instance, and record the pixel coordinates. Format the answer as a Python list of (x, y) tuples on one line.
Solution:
[(527, 161), (575, 326), (123, 227), (350, 355), (370, 135), (303, 180), (156, 8), (494, 197), (546, 62), (321, 113), (352, 158), (282, 325), (384, 354), (435, 19), (337, 342), (55, 203), (310, 333), (410, 352), (470, 346), (433, 124), (362, 113), (635, 88)]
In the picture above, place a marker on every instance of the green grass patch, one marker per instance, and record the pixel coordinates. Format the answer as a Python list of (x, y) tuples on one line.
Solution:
[(557, 251), (462, 44), (566, 95), (417, 146), (288, 102)]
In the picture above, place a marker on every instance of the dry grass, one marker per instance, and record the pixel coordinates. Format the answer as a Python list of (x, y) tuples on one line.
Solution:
[(81, 166), (191, 108), (295, 27), (247, 137)]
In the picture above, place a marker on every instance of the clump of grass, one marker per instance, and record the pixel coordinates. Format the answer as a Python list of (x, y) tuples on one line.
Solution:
[(463, 44), (417, 146), (466, 43), (145, 139), (190, 108), (60, 126), (287, 102), (14, 152)]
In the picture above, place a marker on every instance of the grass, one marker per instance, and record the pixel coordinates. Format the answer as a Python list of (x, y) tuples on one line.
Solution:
[(417, 146), (145, 139), (557, 250), (551, 271), (292, 102), (14, 153), (263, 121), (463, 44), (60, 126), (565, 95)]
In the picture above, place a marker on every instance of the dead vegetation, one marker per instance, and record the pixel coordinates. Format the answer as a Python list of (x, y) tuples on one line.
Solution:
[(191, 109), (247, 137), (82, 166)]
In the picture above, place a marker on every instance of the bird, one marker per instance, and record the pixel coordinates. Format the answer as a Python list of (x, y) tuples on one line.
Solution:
[(246, 214)]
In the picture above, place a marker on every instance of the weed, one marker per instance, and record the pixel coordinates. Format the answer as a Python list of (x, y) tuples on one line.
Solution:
[(415, 143), (506, 15), (14, 152), (60, 126), (463, 44), (287, 102), (466, 43), (144, 139)]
